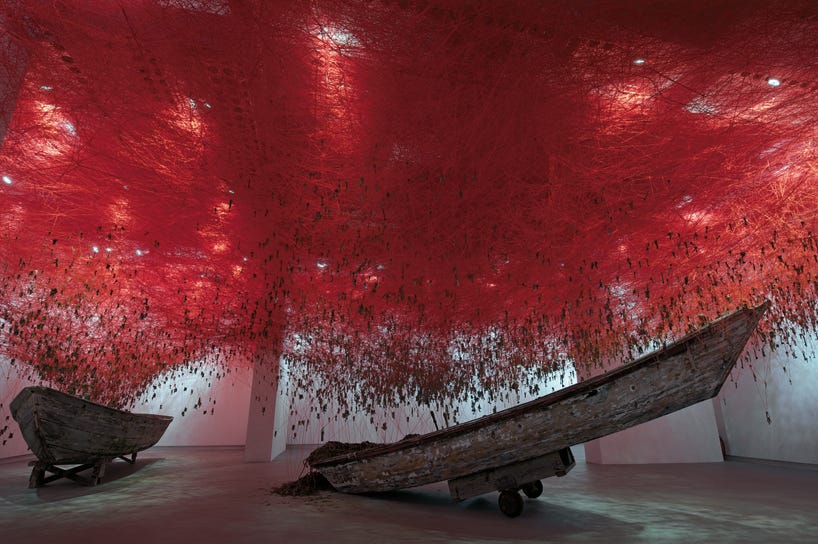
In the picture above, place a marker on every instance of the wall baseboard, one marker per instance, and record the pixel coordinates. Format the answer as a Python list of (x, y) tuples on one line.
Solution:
[(17, 458), (772, 462)]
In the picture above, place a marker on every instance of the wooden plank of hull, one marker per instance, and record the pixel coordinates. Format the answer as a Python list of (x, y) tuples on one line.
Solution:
[(62, 429), (684, 373)]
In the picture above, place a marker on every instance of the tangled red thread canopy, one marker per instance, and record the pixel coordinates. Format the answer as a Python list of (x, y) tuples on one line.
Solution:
[(416, 198)]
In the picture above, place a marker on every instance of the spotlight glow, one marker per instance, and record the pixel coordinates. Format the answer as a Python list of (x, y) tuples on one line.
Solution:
[(70, 128)]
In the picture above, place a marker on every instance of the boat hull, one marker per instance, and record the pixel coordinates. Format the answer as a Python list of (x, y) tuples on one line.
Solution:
[(61, 429), (688, 371)]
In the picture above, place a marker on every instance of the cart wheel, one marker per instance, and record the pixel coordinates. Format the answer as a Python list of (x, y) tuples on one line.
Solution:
[(533, 489), (511, 503)]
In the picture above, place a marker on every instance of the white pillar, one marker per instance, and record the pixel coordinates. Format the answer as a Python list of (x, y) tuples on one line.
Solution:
[(268, 415)]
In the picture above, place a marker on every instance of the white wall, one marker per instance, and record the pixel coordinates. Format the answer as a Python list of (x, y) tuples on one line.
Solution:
[(207, 411), (778, 384), (220, 419), (308, 424), (687, 436), (789, 397), (13, 378)]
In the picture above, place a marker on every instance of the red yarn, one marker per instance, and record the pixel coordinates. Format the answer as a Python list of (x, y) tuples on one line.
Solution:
[(417, 195)]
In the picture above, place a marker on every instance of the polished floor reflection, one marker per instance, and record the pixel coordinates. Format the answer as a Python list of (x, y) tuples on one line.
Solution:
[(204, 495)]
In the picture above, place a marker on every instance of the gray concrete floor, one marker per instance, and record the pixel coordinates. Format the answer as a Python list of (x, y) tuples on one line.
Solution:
[(208, 495)]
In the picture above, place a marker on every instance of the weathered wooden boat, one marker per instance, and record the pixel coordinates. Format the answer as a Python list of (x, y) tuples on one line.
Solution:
[(513, 449), (61, 429)]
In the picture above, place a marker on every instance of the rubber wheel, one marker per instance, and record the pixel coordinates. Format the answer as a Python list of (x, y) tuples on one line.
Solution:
[(533, 489), (511, 503)]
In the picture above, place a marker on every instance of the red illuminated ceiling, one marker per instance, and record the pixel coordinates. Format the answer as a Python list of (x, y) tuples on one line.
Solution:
[(405, 195)]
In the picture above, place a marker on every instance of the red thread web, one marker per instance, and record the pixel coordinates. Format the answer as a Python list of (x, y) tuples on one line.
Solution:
[(414, 199)]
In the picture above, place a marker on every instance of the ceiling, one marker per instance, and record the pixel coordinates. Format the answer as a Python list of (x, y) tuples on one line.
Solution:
[(425, 199)]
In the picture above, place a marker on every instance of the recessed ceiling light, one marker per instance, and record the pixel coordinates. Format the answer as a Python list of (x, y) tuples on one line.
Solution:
[(773, 82), (639, 61), (7, 180)]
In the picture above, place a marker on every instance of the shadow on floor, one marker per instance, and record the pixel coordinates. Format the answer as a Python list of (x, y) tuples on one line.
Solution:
[(64, 489), (541, 520)]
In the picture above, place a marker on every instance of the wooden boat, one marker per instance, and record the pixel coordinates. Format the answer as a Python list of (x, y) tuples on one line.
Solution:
[(513, 449), (62, 429)]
